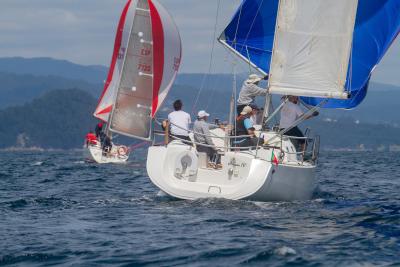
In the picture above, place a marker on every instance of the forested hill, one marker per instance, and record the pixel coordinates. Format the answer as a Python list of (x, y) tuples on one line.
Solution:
[(17, 89), (38, 108), (59, 119), (23, 79), (53, 67)]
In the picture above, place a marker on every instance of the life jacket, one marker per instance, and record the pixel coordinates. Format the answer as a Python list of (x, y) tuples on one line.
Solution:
[(91, 138), (240, 128)]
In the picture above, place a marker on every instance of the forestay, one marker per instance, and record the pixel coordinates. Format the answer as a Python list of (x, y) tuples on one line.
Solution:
[(250, 35)]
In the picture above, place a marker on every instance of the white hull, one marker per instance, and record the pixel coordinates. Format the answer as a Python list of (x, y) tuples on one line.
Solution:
[(95, 153), (176, 170)]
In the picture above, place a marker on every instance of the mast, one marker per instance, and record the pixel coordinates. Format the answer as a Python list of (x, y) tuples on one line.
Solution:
[(232, 105), (233, 97), (267, 107)]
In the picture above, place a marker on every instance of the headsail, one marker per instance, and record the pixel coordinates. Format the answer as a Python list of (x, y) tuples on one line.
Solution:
[(312, 47), (150, 62), (377, 26), (251, 33)]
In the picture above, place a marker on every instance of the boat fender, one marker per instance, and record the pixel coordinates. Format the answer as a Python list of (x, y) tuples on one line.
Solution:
[(186, 165), (122, 150)]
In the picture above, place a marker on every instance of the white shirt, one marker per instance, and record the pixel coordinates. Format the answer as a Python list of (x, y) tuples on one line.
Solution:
[(179, 121), (289, 114)]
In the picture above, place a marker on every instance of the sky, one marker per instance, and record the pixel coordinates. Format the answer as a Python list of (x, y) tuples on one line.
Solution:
[(83, 31)]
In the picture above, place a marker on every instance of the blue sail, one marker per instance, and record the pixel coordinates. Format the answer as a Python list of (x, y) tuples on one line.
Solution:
[(251, 34)]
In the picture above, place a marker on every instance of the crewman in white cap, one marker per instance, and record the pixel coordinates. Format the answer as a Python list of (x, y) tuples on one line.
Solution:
[(202, 135), (250, 90)]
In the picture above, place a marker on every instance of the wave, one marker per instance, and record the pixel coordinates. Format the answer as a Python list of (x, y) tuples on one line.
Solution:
[(32, 258)]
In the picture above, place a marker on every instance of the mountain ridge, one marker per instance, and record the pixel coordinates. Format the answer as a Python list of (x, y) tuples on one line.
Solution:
[(212, 90), (48, 66), (60, 119)]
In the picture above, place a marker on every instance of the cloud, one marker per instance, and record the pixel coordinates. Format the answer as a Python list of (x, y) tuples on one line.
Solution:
[(83, 31)]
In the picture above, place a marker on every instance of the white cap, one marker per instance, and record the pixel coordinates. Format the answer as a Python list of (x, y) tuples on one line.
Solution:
[(253, 78), (246, 110), (202, 113)]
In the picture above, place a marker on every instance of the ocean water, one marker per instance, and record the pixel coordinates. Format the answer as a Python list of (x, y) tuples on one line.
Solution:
[(55, 209)]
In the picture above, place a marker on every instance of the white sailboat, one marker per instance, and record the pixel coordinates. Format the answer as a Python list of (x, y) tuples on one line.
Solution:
[(96, 153), (146, 58), (307, 48)]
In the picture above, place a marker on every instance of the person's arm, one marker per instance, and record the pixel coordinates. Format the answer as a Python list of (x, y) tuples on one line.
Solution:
[(212, 126), (248, 124), (258, 91), (206, 131)]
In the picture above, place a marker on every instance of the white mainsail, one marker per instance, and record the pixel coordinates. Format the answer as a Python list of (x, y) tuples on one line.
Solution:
[(312, 47)]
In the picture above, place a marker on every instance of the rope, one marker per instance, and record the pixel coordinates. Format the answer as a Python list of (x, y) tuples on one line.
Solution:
[(237, 25), (252, 24), (247, 35), (136, 146), (206, 75), (201, 134), (211, 97), (213, 146), (229, 137), (301, 119)]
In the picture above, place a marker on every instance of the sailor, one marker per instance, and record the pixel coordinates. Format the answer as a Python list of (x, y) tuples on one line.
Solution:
[(250, 90), (179, 122), (202, 135), (99, 129), (91, 139), (290, 113), (243, 125), (256, 115), (107, 144)]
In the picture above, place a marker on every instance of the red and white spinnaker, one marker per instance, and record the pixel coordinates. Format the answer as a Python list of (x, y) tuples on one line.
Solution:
[(145, 62)]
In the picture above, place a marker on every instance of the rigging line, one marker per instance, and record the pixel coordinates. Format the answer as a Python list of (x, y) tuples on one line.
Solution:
[(206, 75), (136, 146), (252, 24), (272, 108), (248, 59), (216, 81), (211, 98), (237, 25)]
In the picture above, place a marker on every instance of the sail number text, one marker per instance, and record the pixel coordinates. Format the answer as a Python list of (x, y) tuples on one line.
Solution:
[(145, 52), (144, 67)]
